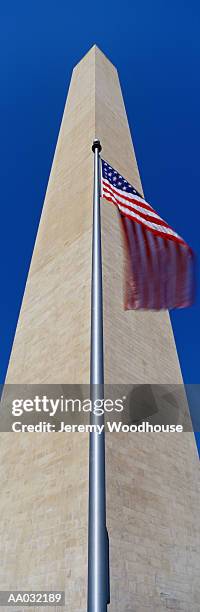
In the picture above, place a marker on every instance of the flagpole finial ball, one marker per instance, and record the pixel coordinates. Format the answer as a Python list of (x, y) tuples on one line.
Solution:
[(96, 145)]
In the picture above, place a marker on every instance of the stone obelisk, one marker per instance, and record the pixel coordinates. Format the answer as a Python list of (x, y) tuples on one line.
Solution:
[(152, 499)]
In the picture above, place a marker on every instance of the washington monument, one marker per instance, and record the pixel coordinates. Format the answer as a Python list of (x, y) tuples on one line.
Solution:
[(152, 480)]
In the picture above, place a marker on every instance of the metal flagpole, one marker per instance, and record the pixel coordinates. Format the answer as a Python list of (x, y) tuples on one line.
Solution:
[(98, 561)]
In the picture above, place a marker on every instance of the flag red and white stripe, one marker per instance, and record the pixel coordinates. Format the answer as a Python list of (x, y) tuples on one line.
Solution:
[(159, 266)]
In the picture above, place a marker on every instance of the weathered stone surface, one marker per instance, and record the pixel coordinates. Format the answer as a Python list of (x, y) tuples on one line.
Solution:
[(152, 480)]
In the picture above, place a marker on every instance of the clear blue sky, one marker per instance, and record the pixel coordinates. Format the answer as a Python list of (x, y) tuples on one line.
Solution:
[(156, 48)]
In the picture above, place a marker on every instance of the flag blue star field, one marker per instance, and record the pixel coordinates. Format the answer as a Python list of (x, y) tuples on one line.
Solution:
[(159, 265)]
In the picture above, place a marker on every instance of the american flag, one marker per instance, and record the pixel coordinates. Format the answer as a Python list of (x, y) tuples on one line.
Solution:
[(159, 265)]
